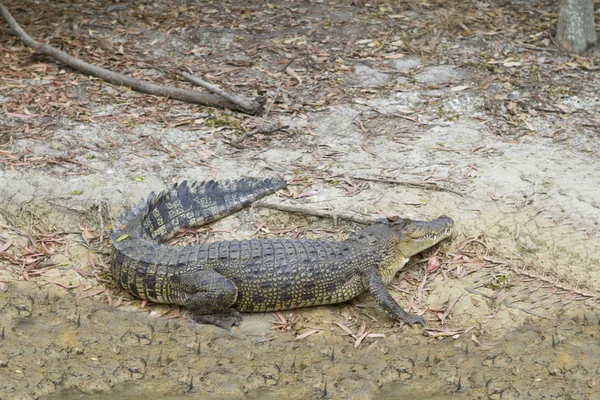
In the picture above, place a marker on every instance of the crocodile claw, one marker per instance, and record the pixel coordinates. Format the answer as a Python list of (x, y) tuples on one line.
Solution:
[(225, 320), (412, 319)]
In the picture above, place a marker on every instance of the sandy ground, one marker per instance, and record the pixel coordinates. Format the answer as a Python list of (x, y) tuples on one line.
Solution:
[(519, 303)]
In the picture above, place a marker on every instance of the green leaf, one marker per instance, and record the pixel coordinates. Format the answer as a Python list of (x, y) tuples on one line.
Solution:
[(122, 237)]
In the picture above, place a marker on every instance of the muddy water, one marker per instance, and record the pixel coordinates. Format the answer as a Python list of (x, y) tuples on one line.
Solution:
[(55, 345)]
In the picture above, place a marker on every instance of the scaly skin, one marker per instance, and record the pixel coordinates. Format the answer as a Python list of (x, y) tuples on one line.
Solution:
[(216, 281)]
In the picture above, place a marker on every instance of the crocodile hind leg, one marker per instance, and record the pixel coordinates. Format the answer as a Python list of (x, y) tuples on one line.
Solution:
[(387, 302), (212, 299)]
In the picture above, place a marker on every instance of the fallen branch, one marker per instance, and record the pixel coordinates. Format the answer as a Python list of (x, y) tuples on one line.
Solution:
[(418, 185), (191, 96), (244, 104), (315, 213)]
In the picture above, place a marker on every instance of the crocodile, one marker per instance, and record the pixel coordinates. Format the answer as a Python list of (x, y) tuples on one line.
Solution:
[(216, 281)]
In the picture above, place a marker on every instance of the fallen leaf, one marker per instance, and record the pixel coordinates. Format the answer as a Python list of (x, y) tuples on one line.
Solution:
[(122, 237), (306, 334), (294, 74), (91, 260), (563, 108), (432, 264), (394, 56), (346, 329), (459, 88), (21, 116), (366, 148), (93, 293), (360, 339), (6, 245)]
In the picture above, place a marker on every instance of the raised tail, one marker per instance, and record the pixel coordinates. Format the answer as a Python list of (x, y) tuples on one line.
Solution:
[(192, 205)]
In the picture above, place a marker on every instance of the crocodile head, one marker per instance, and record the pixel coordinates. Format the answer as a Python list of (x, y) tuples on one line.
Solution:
[(416, 236)]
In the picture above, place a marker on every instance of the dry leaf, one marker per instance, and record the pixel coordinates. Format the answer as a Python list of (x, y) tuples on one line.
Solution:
[(360, 339), (367, 149), (394, 56), (460, 88), (6, 245), (346, 329), (432, 264), (294, 74), (306, 334)]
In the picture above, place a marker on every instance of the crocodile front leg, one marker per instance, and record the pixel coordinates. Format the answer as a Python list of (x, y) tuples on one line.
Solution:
[(212, 298), (386, 301)]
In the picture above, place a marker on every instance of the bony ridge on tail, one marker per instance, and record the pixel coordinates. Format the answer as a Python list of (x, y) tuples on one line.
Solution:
[(216, 281)]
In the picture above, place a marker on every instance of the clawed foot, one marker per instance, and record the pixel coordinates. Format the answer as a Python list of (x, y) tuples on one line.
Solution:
[(225, 319), (412, 319)]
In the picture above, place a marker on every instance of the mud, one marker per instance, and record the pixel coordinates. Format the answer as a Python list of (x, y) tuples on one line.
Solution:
[(54, 341), (526, 318)]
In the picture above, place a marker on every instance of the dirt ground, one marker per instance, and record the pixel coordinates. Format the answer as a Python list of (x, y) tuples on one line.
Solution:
[(388, 108)]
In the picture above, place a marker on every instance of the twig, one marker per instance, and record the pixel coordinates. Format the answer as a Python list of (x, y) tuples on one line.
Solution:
[(101, 222), (531, 47), (315, 213), (419, 185), (550, 110), (276, 92), (556, 284), (240, 102), (191, 96)]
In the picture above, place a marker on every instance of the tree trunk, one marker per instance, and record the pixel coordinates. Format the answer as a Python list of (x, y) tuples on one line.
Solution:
[(576, 32)]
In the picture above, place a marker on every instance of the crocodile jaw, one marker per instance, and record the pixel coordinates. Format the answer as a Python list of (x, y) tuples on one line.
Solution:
[(415, 236)]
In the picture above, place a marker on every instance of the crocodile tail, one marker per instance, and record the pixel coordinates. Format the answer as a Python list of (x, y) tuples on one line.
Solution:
[(193, 204), (119, 230)]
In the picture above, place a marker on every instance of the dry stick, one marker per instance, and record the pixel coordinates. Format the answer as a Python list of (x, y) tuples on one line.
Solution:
[(315, 213), (276, 92), (420, 185), (242, 103), (555, 284), (190, 96)]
